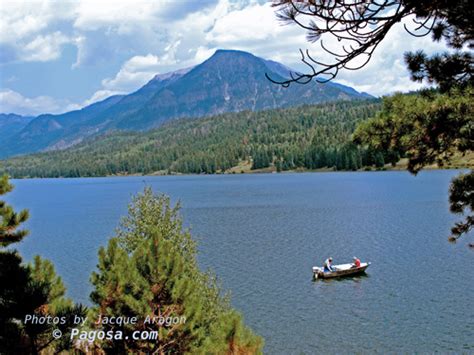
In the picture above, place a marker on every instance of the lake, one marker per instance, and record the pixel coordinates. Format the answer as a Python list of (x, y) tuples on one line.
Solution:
[(262, 234)]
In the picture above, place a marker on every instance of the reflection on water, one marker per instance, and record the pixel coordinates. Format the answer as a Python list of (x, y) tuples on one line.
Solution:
[(263, 233)]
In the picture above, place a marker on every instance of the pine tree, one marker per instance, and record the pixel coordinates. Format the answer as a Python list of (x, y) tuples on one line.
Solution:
[(150, 269), (32, 289), (10, 220), (379, 160)]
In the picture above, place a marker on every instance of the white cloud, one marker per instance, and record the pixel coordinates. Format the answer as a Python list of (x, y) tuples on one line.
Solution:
[(13, 102), (134, 73), (44, 48), (255, 28), (254, 23), (99, 96), (152, 37), (98, 28), (140, 63), (123, 28), (21, 19), (29, 30), (117, 14)]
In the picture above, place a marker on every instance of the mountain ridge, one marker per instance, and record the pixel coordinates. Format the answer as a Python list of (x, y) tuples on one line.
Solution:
[(228, 81), (11, 124)]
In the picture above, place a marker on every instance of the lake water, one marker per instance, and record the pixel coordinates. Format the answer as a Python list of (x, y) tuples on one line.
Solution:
[(262, 234)]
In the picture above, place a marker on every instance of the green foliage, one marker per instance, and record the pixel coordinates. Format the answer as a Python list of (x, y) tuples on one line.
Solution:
[(52, 303), (150, 269), (9, 219), (148, 215), (461, 197), (426, 128), (446, 69), (42, 272), (308, 136), (452, 22), (261, 159)]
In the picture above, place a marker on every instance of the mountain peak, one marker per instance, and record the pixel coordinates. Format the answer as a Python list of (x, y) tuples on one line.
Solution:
[(229, 81), (221, 51), (229, 54)]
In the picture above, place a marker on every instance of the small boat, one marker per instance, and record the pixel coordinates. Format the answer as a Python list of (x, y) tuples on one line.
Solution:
[(340, 271)]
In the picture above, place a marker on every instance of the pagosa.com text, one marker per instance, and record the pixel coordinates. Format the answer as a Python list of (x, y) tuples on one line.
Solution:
[(93, 335)]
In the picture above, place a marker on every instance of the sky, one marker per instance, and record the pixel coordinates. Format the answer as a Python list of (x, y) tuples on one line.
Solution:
[(61, 55)]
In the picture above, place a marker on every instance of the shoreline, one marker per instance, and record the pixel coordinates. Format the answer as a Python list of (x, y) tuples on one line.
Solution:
[(253, 172), (244, 167)]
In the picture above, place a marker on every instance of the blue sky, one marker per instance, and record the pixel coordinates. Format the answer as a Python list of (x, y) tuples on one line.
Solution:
[(60, 55)]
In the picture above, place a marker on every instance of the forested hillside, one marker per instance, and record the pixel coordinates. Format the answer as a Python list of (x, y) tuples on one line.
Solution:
[(309, 137)]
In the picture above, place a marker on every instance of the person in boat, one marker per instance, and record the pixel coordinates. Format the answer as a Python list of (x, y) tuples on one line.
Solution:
[(328, 265), (356, 262)]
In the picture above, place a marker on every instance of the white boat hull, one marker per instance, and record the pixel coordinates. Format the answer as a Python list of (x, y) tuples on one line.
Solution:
[(342, 270)]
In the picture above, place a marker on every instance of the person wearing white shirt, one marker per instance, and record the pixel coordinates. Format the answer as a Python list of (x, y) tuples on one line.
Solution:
[(328, 265)]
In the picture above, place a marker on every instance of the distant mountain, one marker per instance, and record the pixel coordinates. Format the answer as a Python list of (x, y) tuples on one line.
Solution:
[(11, 124), (51, 132), (229, 81)]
